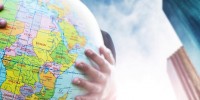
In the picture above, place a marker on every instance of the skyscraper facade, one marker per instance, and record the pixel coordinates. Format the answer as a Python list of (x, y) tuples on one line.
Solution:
[(184, 65), (183, 75), (184, 16)]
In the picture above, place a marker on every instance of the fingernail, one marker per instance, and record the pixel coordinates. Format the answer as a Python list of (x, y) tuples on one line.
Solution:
[(79, 65), (76, 81), (89, 52), (77, 98), (3, 23)]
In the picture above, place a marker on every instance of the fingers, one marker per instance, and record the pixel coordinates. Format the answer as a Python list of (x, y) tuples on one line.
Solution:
[(1, 7), (91, 72), (86, 85), (100, 78), (3, 22), (107, 54), (103, 65)]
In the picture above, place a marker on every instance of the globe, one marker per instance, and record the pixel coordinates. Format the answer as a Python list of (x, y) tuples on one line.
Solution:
[(40, 45)]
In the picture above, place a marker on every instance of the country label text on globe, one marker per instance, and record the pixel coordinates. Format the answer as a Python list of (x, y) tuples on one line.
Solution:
[(40, 45)]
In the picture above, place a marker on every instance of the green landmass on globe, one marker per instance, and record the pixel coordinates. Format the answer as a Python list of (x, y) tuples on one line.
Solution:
[(40, 45)]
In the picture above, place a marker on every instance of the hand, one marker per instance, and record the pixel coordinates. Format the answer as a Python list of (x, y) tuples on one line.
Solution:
[(101, 85), (3, 22)]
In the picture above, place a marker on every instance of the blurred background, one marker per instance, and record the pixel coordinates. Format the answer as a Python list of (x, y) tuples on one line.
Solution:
[(143, 39)]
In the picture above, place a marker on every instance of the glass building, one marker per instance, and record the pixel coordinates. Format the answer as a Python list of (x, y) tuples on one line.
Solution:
[(184, 16)]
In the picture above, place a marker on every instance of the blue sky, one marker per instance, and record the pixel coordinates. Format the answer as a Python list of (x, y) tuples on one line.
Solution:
[(144, 39)]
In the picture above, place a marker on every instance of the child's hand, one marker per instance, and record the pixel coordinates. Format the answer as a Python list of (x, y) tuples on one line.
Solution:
[(102, 83)]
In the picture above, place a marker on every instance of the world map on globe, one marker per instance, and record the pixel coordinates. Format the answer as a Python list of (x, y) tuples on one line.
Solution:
[(40, 45)]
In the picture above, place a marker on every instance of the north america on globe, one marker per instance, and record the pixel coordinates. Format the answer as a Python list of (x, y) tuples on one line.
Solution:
[(40, 45)]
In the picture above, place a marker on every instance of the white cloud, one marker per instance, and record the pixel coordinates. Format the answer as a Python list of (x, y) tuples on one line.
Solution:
[(144, 39)]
